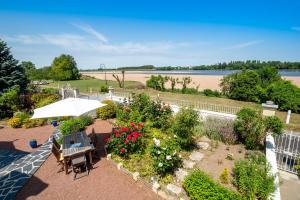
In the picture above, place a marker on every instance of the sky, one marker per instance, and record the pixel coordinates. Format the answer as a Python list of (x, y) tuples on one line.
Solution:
[(158, 32)]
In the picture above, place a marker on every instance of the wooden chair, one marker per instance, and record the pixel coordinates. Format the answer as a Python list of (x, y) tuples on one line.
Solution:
[(59, 157), (55, 143), (94, 141), (78, 162)]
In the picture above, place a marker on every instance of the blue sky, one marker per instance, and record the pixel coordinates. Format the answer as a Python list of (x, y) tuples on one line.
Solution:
[(131, 33)]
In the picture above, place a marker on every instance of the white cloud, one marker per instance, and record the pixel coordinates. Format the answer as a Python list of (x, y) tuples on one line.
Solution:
[(296, 28), (88, 29), (244, 44)]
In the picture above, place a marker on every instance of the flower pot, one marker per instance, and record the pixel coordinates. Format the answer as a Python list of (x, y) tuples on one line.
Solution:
[(54, 123), (33, 144)]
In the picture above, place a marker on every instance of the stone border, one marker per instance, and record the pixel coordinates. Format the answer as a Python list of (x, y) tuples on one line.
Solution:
[(155, 187), (15, 175)]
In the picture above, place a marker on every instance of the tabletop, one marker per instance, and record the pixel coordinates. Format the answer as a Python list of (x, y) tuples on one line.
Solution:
[(79, 137)]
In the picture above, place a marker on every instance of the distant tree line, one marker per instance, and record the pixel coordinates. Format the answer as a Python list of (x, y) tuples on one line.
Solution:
[(233, 65), (238, 65)]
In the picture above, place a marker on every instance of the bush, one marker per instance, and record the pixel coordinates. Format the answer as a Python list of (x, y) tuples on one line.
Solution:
[(250, 128), (104, 89), (220, 129), (157, 82), (184, 126), (108, 111), (126, 140), (224, 177), (160, 114), (200, 186), (252, 177), (285, 94), (211, 93), (15, 122), (31, 123), (273, 124), (75, 125), (18, 119), (9, 102), (165, 159), (40, 100)]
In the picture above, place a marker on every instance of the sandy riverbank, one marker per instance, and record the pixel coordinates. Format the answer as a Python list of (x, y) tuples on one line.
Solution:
[(203, 81)]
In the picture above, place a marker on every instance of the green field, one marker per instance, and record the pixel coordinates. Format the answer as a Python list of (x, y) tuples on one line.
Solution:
[(93, 85)]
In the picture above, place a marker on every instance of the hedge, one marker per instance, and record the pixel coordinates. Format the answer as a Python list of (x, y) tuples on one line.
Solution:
[(200, 186)]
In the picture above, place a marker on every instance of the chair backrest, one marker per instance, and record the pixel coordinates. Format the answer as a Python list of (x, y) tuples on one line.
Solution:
[(55, 143), (94, 139), (55, 152)]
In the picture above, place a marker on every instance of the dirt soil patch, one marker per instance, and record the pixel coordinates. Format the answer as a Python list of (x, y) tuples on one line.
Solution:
[(215, 159)]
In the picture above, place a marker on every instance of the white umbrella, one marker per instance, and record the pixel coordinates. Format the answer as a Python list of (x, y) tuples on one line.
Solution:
[(67, 107)]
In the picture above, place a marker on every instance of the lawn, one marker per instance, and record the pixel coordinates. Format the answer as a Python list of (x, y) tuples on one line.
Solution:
[(93, 85)]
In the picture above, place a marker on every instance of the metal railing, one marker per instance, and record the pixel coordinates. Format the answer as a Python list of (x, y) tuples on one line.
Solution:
[(287, 148)]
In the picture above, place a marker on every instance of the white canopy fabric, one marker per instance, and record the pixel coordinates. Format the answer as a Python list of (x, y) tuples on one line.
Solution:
[(73, 107)]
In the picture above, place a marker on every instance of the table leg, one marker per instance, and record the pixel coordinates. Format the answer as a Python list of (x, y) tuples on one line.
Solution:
[(66, 165), (91, 159)]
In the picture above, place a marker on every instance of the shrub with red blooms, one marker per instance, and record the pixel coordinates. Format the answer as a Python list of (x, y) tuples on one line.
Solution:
[(125, 140)]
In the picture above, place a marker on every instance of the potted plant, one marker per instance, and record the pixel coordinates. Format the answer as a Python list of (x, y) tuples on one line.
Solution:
[(54, 123), (33, 143)]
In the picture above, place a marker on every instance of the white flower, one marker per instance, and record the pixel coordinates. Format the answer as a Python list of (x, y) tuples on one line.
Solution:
[(158, 152), (160, 164), (168, 157), (175, 136), (179, 156), (156, 142)]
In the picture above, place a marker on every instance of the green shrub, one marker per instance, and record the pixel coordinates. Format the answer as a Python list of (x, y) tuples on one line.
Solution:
[(273, 124), (184, 126), (108, 111), (220, 129), (165, 159), (250, 128), (40, 100), (104, 88), (15, 122), (285, 95), (200, 186), (160, 114), (211, 93), (224, 176), (75, 125), (252, 177), (9, 102), (31, 123)]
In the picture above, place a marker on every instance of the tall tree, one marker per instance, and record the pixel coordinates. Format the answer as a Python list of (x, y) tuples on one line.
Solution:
[(64, 68), (11, 73), (29, 68)]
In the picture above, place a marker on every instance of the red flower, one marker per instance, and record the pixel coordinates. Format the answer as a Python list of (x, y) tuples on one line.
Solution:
[(122, 150), (117, 135), (106, 140), (129, 137), (126, 141), (125, 129)]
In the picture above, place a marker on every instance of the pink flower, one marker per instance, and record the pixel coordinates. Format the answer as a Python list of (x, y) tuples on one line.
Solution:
[(122, 150), (126, 141)]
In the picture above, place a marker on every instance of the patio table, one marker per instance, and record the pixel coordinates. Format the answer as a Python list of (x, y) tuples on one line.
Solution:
[(68, 150)]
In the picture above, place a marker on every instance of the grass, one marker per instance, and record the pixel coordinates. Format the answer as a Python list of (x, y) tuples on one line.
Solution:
[(93, 85)]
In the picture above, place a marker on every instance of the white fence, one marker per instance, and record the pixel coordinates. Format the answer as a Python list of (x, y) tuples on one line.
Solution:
[(287, 151)]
